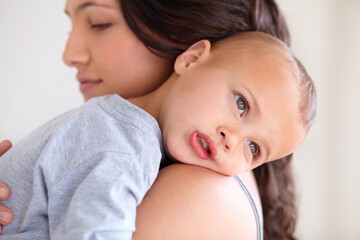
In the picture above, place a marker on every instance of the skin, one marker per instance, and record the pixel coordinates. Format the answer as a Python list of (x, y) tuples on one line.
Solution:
[(190, 202), (6, 214), (98, 53), (183, 106), (106, 53)]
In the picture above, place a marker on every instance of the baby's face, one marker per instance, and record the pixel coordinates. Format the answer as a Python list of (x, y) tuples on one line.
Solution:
[(233, 114)]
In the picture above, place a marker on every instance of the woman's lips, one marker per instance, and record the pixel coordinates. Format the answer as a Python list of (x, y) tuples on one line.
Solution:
[(85, 84), (199, 148)]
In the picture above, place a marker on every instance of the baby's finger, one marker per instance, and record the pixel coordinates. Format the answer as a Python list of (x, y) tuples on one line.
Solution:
[(6, 215), (4, 146)]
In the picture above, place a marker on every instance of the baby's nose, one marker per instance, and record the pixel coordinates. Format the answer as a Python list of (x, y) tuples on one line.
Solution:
[(229, 139)]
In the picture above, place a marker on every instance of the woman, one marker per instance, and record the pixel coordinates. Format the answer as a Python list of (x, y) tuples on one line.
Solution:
[(137, 44)]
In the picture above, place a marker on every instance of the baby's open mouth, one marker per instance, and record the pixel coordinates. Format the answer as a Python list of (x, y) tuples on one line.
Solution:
[(204, 144)]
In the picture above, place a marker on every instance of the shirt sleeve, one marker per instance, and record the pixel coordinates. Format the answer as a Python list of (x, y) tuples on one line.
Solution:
[(101, 196)]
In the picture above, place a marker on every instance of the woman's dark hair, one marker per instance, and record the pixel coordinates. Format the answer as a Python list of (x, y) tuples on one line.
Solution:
[(168, 27), (179, 24)]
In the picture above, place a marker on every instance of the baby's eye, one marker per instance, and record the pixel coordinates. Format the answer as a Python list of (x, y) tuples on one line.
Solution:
[(242, 104), (254, 148)]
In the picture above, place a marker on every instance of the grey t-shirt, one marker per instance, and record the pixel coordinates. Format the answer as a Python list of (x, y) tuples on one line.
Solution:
[(82, 175)]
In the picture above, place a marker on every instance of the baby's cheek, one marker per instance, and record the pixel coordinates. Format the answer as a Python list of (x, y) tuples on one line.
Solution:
[(233, 166), (170, 146)]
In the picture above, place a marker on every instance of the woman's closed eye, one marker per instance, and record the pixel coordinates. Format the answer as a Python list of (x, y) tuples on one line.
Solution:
[(100, 26), (241, 104)]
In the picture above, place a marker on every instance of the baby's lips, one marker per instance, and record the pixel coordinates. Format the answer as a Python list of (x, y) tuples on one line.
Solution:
[(211, 145), (197, 146)]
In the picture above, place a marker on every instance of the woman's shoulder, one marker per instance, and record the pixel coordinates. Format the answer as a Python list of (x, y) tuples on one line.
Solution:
[(189, 202)]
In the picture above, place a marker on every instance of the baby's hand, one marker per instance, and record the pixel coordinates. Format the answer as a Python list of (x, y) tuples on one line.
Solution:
[(6, 214)]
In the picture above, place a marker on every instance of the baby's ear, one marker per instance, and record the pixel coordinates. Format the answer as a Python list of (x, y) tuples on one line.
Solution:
[(196, 52)]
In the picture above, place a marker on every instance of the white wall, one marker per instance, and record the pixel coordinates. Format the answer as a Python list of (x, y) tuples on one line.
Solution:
[(35, 86), (326, 37)]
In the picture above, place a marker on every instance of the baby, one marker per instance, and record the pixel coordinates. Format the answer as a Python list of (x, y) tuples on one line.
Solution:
[(228, 107)]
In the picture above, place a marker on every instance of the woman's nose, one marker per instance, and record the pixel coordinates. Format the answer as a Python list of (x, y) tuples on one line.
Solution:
[(228, 138), (75, 53)]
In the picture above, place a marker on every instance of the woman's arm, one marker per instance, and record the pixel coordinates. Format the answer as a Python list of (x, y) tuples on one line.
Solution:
[(188, 202), (6, 214)]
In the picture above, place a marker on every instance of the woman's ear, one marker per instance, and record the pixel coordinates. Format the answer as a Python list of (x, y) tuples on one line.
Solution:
[(196, 52)]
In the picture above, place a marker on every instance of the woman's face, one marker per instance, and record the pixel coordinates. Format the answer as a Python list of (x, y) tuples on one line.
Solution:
[(108, 56)]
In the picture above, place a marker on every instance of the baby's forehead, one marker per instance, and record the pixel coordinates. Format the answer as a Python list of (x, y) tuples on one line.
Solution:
[(271, 61), (259, 50), (255, 44), (251, 39), (260, 60)]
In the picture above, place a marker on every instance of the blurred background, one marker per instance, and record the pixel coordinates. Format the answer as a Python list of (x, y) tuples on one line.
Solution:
[(36, 86)]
